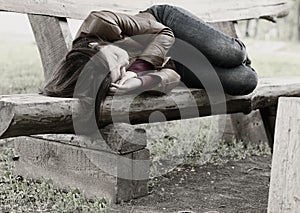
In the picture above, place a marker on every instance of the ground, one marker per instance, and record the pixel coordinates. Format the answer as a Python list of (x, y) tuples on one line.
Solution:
[(235, 178), (237, 186)]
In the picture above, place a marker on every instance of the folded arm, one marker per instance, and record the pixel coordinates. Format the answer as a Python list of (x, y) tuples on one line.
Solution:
[(111, 27)]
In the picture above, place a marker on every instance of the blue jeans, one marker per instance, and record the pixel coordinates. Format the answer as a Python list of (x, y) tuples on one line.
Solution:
[(227, 55)]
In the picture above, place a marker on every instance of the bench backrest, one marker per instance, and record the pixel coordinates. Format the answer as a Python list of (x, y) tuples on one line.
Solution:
[(211, 11), (48, 18)]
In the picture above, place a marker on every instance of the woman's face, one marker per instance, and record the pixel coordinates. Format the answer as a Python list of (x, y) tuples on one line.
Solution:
[(117, 60)]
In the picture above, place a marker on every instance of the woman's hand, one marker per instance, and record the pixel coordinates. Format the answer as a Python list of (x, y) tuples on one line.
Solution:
[(129, 85), (117, 60), (125, 76)]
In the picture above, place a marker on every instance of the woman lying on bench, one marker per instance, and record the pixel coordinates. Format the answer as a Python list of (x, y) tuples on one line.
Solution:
[(138, 60)]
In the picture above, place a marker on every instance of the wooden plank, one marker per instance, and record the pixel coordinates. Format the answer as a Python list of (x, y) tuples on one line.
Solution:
[(60, 107), (284, 194), (119, 138), (36, 114), (141, 170), (271, 89), (29, 114), (268, 115), (249, 128), (218, 11), (225, 27), (229, 133), (53, 39), (95, 173)]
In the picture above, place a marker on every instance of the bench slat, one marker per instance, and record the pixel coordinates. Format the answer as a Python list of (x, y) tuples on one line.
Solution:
[(268, 92), (220, 10), (34, 114), (29, 114)]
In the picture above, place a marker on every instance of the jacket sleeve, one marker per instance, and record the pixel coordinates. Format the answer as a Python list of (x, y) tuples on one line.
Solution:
[(112, 26), (162, 81)]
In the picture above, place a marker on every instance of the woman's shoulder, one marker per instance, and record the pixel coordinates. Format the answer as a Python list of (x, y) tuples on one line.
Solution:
[(145, 15)]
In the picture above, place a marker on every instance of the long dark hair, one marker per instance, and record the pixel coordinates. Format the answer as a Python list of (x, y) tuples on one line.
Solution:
[(63, 81)]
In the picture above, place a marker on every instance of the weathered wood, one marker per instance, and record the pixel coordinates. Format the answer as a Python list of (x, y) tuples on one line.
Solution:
[(54, 111), (119, 138), (95, 173), (218, 11), (35, 114), (268, 115), (284, 194), (249, 128), (265, 99), (141, 170), (228, 133), (271, 89), (225, 27), (53, 39)]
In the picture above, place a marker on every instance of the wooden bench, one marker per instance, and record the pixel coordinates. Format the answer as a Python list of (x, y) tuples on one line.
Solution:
[(80, 161)]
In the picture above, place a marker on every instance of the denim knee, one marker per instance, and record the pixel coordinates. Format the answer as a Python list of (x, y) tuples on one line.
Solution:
[(244, 85), (240, 80), (252, 81)]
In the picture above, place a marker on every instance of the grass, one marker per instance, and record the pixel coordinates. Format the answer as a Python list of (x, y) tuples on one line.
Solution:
[(21, 69), (228, 150), (21, 72), (18, 194)]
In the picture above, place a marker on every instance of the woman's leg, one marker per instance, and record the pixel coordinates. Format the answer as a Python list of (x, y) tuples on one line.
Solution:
[(220, 49), (239, 80)]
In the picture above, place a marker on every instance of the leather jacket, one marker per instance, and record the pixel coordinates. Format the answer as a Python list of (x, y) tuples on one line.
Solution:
[(140, 35)]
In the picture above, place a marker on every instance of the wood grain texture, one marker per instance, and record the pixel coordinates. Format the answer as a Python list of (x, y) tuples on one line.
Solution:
[(141, 172), (35, 114), (29, 114), (54, 111), (53, 39), (119, 138), (284, 194), (270, 89), (95, 173), (249, 128), (218, 11), (268, 115), (225, 27)]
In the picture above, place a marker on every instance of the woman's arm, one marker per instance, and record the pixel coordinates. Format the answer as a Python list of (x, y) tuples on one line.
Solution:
[(112, 26), (162, 81)]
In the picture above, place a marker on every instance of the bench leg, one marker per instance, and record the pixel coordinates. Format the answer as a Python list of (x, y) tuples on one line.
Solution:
[(268, 116), (116, 177), (248, 128)]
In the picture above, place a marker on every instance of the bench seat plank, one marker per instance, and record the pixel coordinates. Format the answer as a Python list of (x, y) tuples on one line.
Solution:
[(218, 11), (27, 114), (270, 89)]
